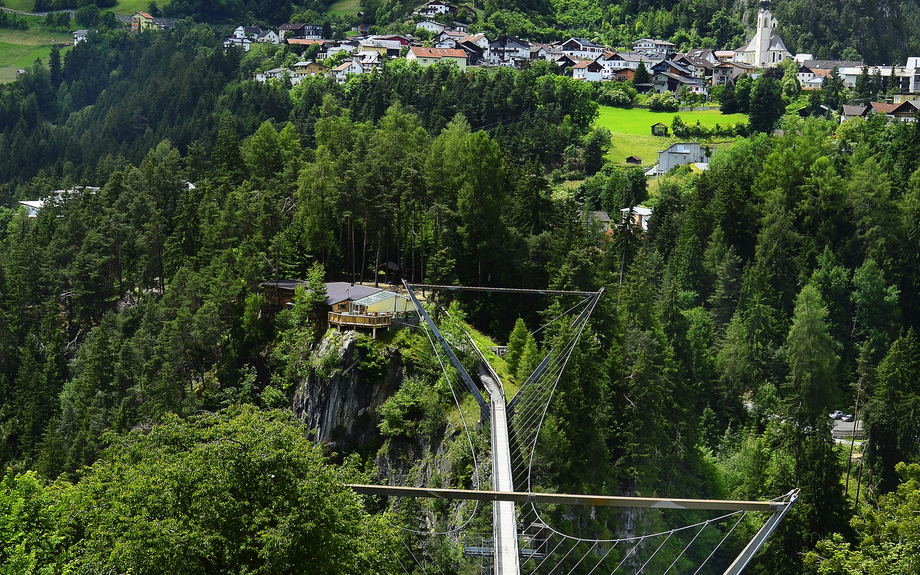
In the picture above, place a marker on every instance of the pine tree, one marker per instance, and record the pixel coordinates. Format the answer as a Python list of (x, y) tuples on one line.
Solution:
[(812, 357), (226, 158), (641, 75), (516, 342), (891, 412), (54, 64)]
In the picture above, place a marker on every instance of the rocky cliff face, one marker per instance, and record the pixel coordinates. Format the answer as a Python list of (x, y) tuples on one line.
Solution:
[(341, 404)]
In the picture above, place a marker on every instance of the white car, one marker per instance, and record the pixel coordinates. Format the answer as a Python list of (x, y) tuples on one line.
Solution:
[(837, 414)]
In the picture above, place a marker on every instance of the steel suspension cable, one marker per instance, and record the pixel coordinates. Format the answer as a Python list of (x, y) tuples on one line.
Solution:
[(676, 559), (649, 560), (743, 515), (548, 555), (566, 312), (604, 558), (476, 468), (564, 557), (628, 555), (590, 549)]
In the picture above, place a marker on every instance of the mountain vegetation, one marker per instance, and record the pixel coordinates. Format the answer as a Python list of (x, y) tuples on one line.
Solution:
[(142, 366)]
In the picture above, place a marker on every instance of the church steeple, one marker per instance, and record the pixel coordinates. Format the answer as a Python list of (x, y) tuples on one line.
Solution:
[(766, 48)]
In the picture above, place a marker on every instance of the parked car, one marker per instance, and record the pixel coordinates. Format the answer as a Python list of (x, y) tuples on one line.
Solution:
[(847, 417), (837, 414)]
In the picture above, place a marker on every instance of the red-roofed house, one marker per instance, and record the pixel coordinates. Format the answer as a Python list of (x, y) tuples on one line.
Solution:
[(142, 21), (429, 56)]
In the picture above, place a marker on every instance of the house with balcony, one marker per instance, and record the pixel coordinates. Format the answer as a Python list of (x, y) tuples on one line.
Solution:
[(508, 51), (429, 56), (679, 154), (581, 49)]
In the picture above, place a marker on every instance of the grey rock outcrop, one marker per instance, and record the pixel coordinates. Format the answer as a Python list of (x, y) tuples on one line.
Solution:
[(341, 406)]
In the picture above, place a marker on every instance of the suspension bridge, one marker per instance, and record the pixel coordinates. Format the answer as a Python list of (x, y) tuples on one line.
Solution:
[(515, 427)]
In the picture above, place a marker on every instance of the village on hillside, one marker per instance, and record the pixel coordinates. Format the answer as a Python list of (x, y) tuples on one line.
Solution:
[(696, 71)]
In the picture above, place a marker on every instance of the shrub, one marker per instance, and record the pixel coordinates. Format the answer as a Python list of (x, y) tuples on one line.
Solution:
[(662, 102), (618, 94)]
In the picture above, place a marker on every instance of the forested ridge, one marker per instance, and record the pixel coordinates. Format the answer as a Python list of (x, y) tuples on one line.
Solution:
[(144, 374)]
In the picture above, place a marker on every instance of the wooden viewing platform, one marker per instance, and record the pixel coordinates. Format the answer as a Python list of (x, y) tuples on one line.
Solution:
[(356, 320)]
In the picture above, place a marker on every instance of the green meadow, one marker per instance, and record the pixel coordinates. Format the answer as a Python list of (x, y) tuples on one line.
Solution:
[(126, 7), (20, 48), (345, 7), (631, 130), (21, 5)]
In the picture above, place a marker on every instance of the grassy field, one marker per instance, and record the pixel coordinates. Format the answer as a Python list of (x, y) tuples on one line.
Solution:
[(23, 5), (343, 7), (20, 48), (631, 130), (128, 7)]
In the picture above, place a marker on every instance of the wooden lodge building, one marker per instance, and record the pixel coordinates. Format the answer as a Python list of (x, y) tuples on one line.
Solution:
[(347, 305)]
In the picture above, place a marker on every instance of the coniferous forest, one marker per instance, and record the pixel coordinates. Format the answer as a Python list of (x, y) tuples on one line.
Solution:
[(146, 381)]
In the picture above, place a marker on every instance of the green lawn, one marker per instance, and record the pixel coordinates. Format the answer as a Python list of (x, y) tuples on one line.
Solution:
[(20, 48), (23, 5), (128, 7), (16, 56), (631, 130), (344, 7)]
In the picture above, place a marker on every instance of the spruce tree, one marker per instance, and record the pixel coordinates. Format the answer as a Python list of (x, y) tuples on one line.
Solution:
[(516, 342), (811, 353)]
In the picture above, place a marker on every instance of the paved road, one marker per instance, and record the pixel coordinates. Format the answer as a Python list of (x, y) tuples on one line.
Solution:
[(503, 516), (843, 431)]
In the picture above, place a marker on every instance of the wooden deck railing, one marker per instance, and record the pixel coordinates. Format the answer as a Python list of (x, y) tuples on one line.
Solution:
[(359, 320)]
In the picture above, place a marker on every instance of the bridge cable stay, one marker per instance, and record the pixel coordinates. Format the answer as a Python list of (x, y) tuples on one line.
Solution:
[(398, 560), (604, 557), (417, 562), (717, 547), (527, 414), (597, 543), (527, 410), (455, 362), (466, 429)]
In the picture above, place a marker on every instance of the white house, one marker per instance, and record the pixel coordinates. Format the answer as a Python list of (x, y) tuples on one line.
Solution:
[(273, 74), (638, 215), (79, 36), (343, 70), (244, 43), (508, 51), (347, 47), (588, 70), (679, 154), (431, 26), (436, 7), (56, 197), (613, 61), (580, 48), (251, 32), (652, 46), (269, 37)]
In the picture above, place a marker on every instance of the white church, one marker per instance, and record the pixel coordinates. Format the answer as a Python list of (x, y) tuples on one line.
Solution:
[(766, 49)]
